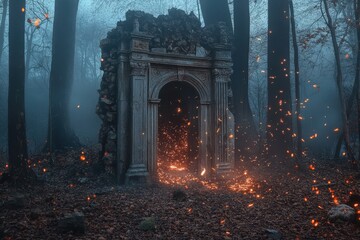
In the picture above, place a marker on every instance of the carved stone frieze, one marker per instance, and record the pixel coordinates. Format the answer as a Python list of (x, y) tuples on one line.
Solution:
[(139, 44), (222, 74), (138, 68)]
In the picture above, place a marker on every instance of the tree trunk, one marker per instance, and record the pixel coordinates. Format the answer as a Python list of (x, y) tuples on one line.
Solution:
[(355, 89), (245, 134), (29, 45), (16, 104), (2, 26), (358, 115), (279, 119), (297, 83), (339, 80), (216, 11), (357, 77), (60, 133)]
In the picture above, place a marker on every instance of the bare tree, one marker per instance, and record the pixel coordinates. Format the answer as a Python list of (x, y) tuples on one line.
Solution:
[(297, 83), (2, 26), (216, 11), (60, 133), (16, 104), (339, 79), (279, 117), (245, 134)]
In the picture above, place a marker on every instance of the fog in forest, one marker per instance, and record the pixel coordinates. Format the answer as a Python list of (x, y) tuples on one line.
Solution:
[(179, 119), (96, 17)]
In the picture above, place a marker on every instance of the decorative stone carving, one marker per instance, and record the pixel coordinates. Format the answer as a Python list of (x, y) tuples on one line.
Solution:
[(222, 74), (140, 45), (138, 68)]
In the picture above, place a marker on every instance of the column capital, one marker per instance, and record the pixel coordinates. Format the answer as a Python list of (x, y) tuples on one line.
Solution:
[(222, 74), (138, 68)]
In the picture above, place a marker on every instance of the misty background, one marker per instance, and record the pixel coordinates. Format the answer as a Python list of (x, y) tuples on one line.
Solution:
[(97, 17)]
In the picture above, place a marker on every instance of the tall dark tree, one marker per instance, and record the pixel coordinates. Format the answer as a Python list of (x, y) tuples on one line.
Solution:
[(279, 119), (2, 26), (355, 89), (245, 126), (357, 77), (216, 11), (16, 104), (339, 80), (60, 133), (297, 83)]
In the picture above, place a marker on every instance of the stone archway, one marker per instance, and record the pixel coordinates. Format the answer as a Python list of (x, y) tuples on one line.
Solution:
[(178, 129), (205, 157), (139, 57)]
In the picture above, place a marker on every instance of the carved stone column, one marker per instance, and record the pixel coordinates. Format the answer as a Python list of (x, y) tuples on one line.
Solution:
[(123, 108), (221, 74), (205, 156), (138, 170), (152, 137)]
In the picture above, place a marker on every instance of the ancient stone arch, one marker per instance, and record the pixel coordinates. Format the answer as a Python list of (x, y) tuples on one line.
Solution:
[(139, 58)]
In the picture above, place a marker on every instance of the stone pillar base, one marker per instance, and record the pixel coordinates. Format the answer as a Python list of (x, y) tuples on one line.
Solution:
[(224, 168), (137, 174)]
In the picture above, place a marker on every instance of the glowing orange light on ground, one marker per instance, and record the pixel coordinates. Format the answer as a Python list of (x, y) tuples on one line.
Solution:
[(82, 158), (314, 222)]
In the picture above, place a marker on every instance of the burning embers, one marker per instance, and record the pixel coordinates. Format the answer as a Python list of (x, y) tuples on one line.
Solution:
[(178, 144), (178, 140)]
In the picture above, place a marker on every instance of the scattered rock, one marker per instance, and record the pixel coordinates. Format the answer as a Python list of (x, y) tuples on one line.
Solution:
[(74, 222), (148, 224), (273, 234), (179, 195), (83, 180), (342, 212), (35, 213)]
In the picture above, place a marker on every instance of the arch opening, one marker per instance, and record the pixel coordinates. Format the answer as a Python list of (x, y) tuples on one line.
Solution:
[(178, 129)]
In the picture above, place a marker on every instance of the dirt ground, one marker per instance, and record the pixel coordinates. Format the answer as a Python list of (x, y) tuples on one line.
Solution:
[(250, 204)]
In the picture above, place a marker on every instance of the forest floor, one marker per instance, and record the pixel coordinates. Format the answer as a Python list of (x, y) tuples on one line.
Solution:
[(257, 204)]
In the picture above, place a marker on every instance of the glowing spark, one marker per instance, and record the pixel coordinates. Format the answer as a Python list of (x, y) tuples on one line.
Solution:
[(314, 136), (37, 23), (23, 10), (314, 222), (203, 172)]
